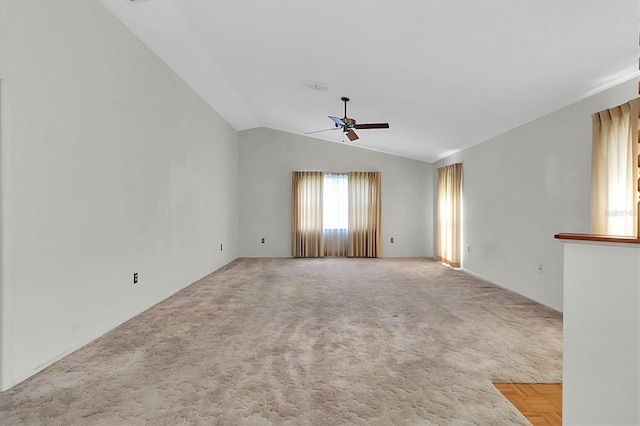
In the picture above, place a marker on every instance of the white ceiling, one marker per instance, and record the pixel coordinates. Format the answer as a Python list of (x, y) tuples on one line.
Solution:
[(445, 74)]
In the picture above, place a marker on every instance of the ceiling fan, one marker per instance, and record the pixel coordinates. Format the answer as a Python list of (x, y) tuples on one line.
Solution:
[(347, 125)]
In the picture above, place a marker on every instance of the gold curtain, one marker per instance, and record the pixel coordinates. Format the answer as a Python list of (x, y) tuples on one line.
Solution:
[(365, 214), (614, 172), (306, 214), (449, 214)]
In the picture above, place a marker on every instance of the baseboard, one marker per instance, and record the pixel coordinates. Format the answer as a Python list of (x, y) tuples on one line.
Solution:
[(473, 274), (80, 346), (99, 334)]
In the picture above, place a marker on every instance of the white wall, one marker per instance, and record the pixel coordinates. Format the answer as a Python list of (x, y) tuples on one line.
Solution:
[(111, 165), (601, 329), (266, 159), (523, 187)]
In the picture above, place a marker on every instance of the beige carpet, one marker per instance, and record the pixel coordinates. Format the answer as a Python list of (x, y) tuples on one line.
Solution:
[(307, 341)]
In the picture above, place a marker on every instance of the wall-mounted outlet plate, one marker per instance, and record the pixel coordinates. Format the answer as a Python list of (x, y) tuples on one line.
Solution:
[(135, 278), (262, 240), (392, 240)]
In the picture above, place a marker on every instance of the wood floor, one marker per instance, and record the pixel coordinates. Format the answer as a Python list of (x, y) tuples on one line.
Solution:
[(541, 404)]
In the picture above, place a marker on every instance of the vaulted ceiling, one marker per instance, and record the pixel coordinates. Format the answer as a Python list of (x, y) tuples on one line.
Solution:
[(445, 74)]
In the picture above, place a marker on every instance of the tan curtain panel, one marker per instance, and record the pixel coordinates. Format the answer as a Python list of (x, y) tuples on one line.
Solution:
[(449, 214), (614, 172), (365, 214), (306, 214)]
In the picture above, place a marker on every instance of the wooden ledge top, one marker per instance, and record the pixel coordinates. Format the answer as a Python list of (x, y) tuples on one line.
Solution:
[(599, 238)]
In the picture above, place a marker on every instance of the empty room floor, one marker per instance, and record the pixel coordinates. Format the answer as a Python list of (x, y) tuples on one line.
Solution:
[(307, 341)]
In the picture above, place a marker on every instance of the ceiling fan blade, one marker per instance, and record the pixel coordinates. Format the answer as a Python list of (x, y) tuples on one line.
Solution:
[(324, 130), (352, 135), (372, 126), (339, 122)]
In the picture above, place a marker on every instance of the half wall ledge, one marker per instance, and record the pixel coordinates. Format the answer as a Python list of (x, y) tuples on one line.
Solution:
[(601, 330), (598, 238)]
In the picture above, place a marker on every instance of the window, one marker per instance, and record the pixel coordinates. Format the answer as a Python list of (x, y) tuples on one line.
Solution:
[(448, 214), (336, 214), (335, 211)]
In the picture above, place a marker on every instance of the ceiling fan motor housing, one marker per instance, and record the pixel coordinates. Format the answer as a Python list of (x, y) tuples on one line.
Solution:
[(350, 122)]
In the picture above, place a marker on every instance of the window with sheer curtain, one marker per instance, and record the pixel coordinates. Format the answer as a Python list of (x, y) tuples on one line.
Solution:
[(336, 214), (614, 171), (448, 214)]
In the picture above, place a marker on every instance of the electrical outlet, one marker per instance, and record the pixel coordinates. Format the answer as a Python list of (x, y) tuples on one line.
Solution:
[(262, 241), (220, 247), (468, 249), (540, 269), (135, 278), (392, 240)]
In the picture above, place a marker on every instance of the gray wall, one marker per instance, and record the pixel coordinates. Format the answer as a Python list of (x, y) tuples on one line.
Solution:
[(267, 158), (111, 165), (523, 187)]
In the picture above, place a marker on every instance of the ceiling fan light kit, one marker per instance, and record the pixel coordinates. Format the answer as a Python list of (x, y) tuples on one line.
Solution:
[(349, 124)]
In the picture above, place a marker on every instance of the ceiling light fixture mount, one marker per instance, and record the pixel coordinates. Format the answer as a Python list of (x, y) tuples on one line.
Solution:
[(315, 85)]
